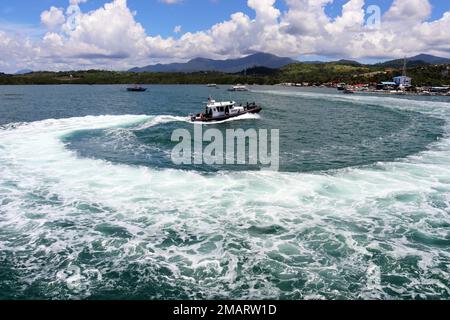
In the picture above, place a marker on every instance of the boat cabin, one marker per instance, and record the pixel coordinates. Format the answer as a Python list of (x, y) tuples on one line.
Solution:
[(218, 109)]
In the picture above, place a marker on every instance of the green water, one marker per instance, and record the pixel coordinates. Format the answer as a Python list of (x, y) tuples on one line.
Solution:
[(91, 206)]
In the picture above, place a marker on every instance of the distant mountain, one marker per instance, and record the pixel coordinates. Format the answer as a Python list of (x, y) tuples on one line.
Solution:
[(228, 66), (312, 62), (24, 71), (430, 59), (421, 59), (347, 62)]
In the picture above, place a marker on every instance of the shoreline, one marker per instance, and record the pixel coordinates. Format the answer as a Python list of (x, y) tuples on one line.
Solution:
[(355, 92)]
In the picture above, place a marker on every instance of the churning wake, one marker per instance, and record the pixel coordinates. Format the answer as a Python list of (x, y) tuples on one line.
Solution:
[(381, 231)]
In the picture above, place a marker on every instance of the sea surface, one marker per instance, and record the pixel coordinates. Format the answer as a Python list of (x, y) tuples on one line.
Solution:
[(92, 207)]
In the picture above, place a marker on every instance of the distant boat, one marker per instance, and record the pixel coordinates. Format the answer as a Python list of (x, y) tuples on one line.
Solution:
[(341, 86), (211, 85), (348, 91), (238, 87), (136, 88)]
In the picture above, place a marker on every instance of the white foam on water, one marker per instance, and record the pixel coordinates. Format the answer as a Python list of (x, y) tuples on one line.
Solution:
[(162, 119), (427, 107), (247, 116), (219, 233)]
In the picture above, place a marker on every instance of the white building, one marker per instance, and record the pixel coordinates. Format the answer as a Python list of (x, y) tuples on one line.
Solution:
[(403, 81)]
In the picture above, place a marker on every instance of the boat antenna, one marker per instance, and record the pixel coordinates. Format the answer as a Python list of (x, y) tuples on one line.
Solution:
[(404, 67)]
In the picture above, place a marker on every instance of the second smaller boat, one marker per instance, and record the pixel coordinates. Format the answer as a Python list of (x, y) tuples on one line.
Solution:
[(136, 88), (348, 91), (238, 87)]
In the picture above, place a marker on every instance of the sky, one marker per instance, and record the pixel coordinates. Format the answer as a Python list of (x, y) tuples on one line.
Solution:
[(120, 34)]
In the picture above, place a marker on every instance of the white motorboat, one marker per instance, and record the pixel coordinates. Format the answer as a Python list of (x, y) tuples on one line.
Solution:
[(238, 87), (219, 111)]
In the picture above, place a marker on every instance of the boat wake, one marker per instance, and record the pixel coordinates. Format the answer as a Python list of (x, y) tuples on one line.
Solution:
[(440, 109), (275, 235), (161, 119)]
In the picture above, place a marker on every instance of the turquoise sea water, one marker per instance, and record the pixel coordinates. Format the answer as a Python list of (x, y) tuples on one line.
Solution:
[(92, 207)]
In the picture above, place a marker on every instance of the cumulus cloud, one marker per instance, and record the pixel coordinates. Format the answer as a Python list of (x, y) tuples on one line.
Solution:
[(110, 35), (408, 11), (53, 18)]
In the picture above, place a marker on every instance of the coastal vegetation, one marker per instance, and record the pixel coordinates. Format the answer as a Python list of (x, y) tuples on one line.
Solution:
[(312, 73)]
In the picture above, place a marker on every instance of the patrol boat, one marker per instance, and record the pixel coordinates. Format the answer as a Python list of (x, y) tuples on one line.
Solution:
[(219, 111)]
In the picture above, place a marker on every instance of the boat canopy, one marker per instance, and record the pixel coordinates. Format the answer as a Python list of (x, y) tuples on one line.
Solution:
[(215, 104)]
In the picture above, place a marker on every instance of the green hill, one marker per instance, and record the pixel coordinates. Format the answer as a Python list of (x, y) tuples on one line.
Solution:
[(339, 71), (325, 72)]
